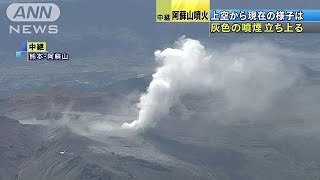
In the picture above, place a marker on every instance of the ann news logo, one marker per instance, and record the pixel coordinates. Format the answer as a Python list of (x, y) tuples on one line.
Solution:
[(39, 17)]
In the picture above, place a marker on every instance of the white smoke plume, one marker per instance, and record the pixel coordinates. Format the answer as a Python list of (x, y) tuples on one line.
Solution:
[(249, 75)]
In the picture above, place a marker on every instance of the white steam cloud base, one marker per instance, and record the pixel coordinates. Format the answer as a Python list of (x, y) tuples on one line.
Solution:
[(249, 75)]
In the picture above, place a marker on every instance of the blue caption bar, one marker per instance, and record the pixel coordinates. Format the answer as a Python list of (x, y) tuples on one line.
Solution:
[(282, 15)]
